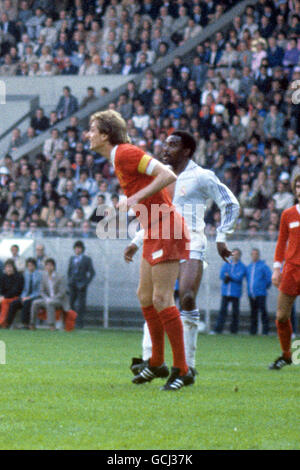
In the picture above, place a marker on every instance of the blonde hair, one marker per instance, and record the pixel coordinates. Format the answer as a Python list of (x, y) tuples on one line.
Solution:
[(110, 122), (295, 180)]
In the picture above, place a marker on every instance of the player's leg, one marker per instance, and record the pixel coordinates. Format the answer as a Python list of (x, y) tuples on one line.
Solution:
[(146, 344), (284, 329), (164, 275), (190, 275), (155, 326)]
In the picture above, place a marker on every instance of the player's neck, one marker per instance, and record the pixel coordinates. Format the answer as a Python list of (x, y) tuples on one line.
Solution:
[(105, 150), (181, 167)]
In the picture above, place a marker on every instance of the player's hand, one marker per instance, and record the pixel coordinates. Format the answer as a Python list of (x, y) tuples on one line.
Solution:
[(276, 277), (126, 203), (122, 205), (129, 252), (223, 251)]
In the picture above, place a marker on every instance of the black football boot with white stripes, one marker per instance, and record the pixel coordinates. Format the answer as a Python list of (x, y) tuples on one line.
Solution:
[(149, 373), (280, 362), (137, 364), (176, 381)]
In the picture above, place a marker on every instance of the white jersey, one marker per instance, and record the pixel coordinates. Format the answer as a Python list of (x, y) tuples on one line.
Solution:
[(194, 187)]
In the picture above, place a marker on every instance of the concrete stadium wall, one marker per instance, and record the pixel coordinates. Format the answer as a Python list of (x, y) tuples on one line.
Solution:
[(116, 282), (50, 88)]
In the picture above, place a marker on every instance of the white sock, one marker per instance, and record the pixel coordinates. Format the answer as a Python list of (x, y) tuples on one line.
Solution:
[(190, 320), (147, 343)]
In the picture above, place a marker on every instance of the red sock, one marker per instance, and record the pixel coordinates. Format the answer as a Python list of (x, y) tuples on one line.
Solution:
[(170, 318), (157, 334), (284, 331)]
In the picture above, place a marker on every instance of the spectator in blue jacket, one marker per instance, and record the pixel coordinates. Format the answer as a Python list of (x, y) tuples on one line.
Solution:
[(232, 275), (259, 279)]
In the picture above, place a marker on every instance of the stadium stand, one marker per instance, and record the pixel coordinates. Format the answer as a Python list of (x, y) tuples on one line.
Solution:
[(220, 70)]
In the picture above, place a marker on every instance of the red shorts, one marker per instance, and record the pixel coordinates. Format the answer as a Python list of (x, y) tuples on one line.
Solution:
[(176, 246), (290, 280), (157, 251)]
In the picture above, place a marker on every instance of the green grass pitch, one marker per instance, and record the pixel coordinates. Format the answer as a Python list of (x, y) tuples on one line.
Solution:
[(73, 391)]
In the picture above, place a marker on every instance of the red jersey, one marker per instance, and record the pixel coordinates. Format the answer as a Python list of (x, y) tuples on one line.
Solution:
[(133, 169), (288, 244)]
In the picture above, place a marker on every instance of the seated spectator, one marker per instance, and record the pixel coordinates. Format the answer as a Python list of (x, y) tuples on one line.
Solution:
[(53, 295), (49, 69), (53, 144), (16, 141), (30, 292), (39, 122), (85, 205), (49, 32), (16, 207), (87, 183), (47, 213), (78, 216), (69, 68), (291, 55), (11, 286), (283, 197), (34, 23), (89, 98), (60, 217), (88, 67), (273, 124), (8, 68)]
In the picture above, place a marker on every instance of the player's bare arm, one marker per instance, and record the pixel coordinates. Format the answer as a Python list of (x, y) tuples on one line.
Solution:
[(276, 277), (163, 176), (223, 251), (129, 252)]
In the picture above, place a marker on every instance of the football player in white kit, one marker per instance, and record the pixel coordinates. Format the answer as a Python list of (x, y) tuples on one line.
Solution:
[(193, 188)]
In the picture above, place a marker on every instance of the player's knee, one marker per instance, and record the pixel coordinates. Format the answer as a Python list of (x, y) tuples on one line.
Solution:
[(187, 300), (144, 298), (282, 315), (160, 301)]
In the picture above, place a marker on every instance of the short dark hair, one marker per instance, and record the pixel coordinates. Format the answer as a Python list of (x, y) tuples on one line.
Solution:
[(10, 262), (188, 140), (50, 261), (79, 244), (31, 260)]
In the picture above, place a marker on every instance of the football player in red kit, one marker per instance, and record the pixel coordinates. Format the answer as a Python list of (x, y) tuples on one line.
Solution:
[(143, 180), (287, 279)]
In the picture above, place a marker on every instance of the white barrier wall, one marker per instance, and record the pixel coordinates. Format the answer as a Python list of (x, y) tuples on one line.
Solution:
[(115, 283), (49, 89)]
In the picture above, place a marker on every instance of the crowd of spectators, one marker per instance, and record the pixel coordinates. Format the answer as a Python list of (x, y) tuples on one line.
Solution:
[(46, 38), (236, 95)]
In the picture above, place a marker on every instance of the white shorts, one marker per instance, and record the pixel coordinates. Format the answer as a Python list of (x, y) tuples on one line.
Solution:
[(198, 246)]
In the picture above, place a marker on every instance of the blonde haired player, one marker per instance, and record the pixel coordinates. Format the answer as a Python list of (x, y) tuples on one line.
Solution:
[(143, 180)]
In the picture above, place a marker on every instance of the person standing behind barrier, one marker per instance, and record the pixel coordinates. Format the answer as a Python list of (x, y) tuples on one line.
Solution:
[(40, 257), (232, 275), (259, 279), (80, 274), (17, 258)]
